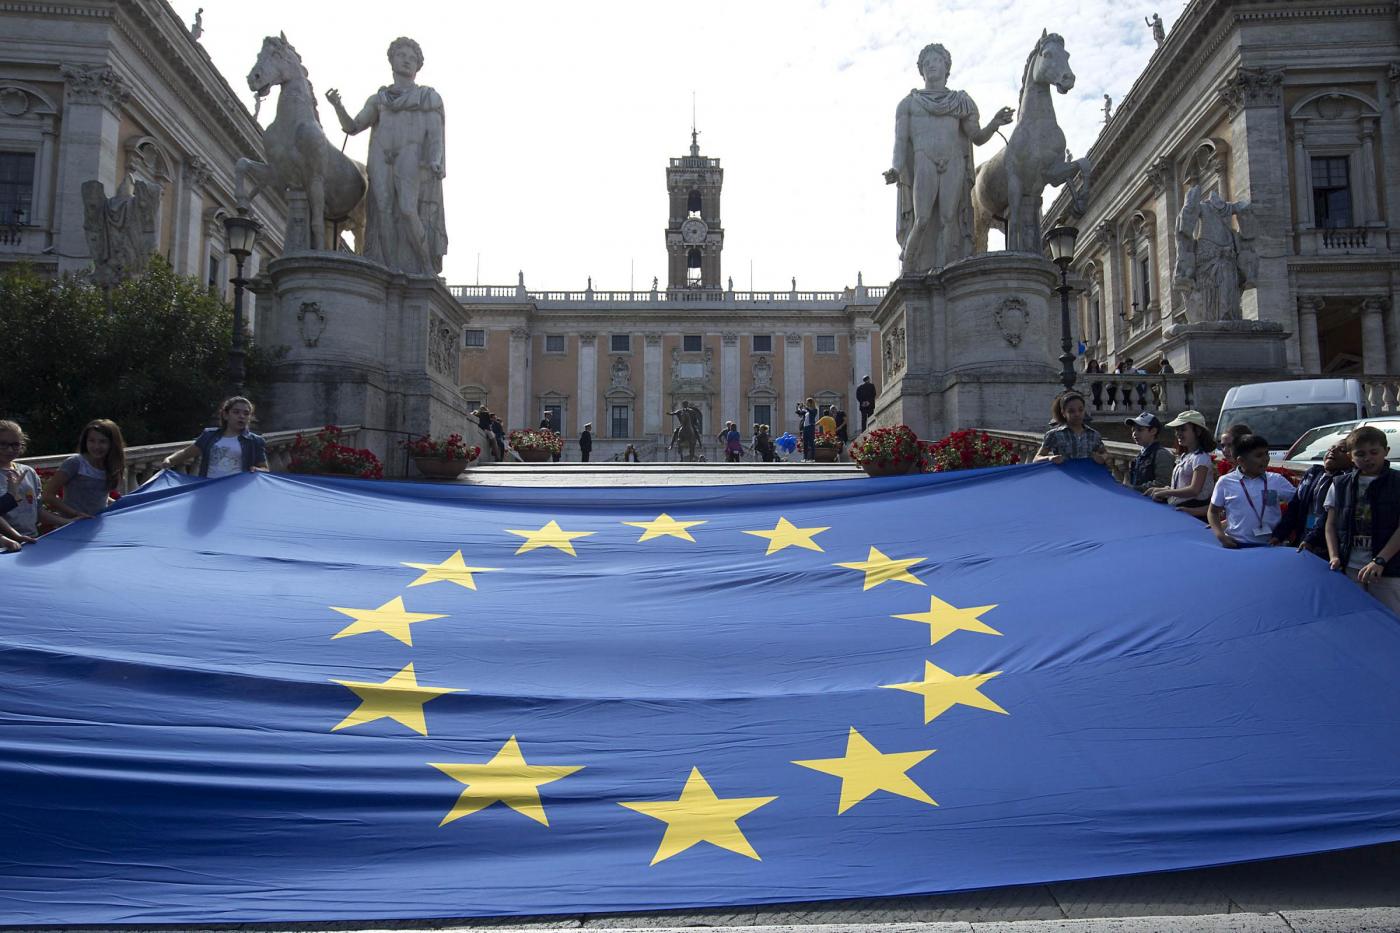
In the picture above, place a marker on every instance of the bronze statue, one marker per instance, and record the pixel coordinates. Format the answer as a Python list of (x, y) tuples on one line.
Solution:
[(686, 436)]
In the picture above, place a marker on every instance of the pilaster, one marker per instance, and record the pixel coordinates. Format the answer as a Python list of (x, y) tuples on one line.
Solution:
[(794, 375), (651, 385), (519, 378), (93, 98), (729, 378), (587, 380)]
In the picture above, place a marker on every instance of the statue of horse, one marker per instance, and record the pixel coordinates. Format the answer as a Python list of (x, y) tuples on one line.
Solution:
[(1009, 185), (298, 153), (686, 437)]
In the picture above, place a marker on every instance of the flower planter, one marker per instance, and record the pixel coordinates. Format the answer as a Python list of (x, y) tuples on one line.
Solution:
[(534, 455), (437, 468), (826, 454), (885, 469)]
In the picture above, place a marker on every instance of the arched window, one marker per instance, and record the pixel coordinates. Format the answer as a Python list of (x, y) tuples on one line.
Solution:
[(692, 202), (692, 267)]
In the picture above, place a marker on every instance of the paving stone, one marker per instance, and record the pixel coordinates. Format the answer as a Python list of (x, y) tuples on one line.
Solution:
[(1184, 893), (1367, 877), (1217, 923), (1372, 920)]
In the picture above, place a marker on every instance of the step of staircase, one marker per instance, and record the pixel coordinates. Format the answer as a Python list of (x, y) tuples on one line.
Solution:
[(653, 474)]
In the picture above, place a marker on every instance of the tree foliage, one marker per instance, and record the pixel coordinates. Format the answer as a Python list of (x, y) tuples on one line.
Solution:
[(156, 363)]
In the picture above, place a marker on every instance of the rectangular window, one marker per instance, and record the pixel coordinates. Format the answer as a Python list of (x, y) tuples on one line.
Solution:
[(554, 343), (16, 188), (474, 338), (473, 404), (554, 414), (1145, 270), (214, 274), (763, 344), (620, 421), (691, 343), (763, 414), (1331, 184), (826, 343), (621, 343)]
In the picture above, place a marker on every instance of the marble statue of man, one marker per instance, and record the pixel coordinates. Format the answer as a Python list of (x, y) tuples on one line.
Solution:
[(405, 228), (935, 130), (1213, 260), (1159, 32)]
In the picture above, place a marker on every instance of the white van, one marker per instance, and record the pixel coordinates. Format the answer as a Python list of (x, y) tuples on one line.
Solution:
[(1284, 411)]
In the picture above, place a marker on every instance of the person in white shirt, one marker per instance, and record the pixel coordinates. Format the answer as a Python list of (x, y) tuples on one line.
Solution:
[(1246, 503), (1193, 478)]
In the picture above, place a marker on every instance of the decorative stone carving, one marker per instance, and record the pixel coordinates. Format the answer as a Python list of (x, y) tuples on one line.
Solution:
[(1160, 175), (13, 102), (1214, 261), (621, 373), (935, 131), (95, 85), (894, 350), (794, 340), (652, 340), (1252, 87), (442, 346), (1009, 185), (692, 372), (311, 322), (762, 373), (1394, 77), (520, 333), (588, 338), (121, 230), (1011, 318), (199, 172), (730, 338), (407, 162), (1106, 232)]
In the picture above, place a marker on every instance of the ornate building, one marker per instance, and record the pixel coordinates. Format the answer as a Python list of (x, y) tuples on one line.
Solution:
[(1292, 107), (97, 90), (624, 360)]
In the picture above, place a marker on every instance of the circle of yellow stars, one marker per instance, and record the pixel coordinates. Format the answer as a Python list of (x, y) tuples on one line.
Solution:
[(698, 814)]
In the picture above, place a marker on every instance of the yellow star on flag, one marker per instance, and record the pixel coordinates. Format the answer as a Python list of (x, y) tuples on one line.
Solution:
[(943, 619), (506, 778), (865, 769), (700, 816), (942, 691), (452, 570), (399, 698), (786, 534), (879, 569), (391, 619), (662, 526), (551, 535)]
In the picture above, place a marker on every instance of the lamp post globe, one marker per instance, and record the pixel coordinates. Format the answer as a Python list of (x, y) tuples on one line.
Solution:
[(241, 232), (1059, 242)]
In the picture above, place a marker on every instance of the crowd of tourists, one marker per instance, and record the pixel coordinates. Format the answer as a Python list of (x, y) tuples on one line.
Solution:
[(1345, 510)]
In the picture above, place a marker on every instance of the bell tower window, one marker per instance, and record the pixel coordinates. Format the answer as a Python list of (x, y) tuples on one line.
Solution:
[(693, 202), (694, 237)]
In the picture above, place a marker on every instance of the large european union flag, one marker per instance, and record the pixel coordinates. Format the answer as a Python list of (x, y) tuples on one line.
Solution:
[(274, 698)]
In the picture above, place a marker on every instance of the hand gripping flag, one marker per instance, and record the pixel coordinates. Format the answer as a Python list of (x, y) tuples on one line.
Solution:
[(270, 698)]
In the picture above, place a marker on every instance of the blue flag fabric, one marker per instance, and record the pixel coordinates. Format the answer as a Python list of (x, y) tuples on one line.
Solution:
[(271, 698)]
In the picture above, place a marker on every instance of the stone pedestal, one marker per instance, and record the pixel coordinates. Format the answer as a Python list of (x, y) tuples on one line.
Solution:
[(364, 346), (971, 345), (1229, 347)]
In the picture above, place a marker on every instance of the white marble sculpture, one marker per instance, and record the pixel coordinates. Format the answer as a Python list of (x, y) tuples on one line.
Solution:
[(1107, 108), (1159, 32), (1010, 184), (1215, 262), (121, 230), (405, 229), (298, 154), (935, 130)]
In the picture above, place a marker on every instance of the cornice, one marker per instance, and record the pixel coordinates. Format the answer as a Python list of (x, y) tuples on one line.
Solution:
[(56, 9)]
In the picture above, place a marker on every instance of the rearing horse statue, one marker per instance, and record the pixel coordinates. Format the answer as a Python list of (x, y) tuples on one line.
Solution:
[(298, 153), (1009, 184)]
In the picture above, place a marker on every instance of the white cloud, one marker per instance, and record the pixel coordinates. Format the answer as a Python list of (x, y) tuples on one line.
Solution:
[(561, 115)]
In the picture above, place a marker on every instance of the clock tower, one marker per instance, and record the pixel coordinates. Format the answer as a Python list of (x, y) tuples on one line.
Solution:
[(694, 236)]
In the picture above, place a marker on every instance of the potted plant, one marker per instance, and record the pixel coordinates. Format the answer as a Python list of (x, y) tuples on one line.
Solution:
[(536, 445), (441, 459), (966, 450), (827, 447), (324, 454), (886, 451)]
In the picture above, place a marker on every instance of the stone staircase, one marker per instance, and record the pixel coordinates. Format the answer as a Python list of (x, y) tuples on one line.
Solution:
[(608, 473)]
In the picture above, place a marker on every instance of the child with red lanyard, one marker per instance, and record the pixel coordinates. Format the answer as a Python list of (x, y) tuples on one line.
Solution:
[(1246, 503)]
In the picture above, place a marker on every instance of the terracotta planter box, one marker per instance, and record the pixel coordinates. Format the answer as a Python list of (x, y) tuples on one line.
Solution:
[(534, 455), (434, 468), (826, 454), (888, 469)]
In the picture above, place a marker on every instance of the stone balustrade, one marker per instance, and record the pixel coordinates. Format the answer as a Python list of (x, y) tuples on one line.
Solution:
[(513, 294), (144, 461)]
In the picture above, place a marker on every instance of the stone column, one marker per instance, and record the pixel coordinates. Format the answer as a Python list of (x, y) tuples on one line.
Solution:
[(794, 375), (1259, 175), (651, 386), (189, 219), (1308, 350), (1367, 202), (1302, 181), (519, 378), (860, 344), (729, 379), (93, 101), (45, 176), (1373, 362), (587, 380)]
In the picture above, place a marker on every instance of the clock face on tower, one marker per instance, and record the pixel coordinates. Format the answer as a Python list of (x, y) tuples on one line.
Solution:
[(693, 231)]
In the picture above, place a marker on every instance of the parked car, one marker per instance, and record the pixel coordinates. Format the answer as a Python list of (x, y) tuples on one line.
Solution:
[(1284, 411), (1313, 445)]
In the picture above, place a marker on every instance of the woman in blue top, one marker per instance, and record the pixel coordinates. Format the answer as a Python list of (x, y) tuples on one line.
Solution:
[(230, 448)]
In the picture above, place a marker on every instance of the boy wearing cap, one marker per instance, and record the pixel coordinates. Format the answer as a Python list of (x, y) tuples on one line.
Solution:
[(1247, 503), (1363, 510), (1153, 467)]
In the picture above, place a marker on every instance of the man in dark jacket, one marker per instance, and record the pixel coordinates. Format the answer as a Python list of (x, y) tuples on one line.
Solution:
[(865, 400), (1363, 518), (1305, 522), (585, 442)]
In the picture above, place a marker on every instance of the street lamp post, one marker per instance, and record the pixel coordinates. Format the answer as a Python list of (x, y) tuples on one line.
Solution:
[(242, 233), (1060, 240)]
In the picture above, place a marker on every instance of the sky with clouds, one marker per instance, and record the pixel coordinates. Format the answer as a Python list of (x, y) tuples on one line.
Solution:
[(561, 115)]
